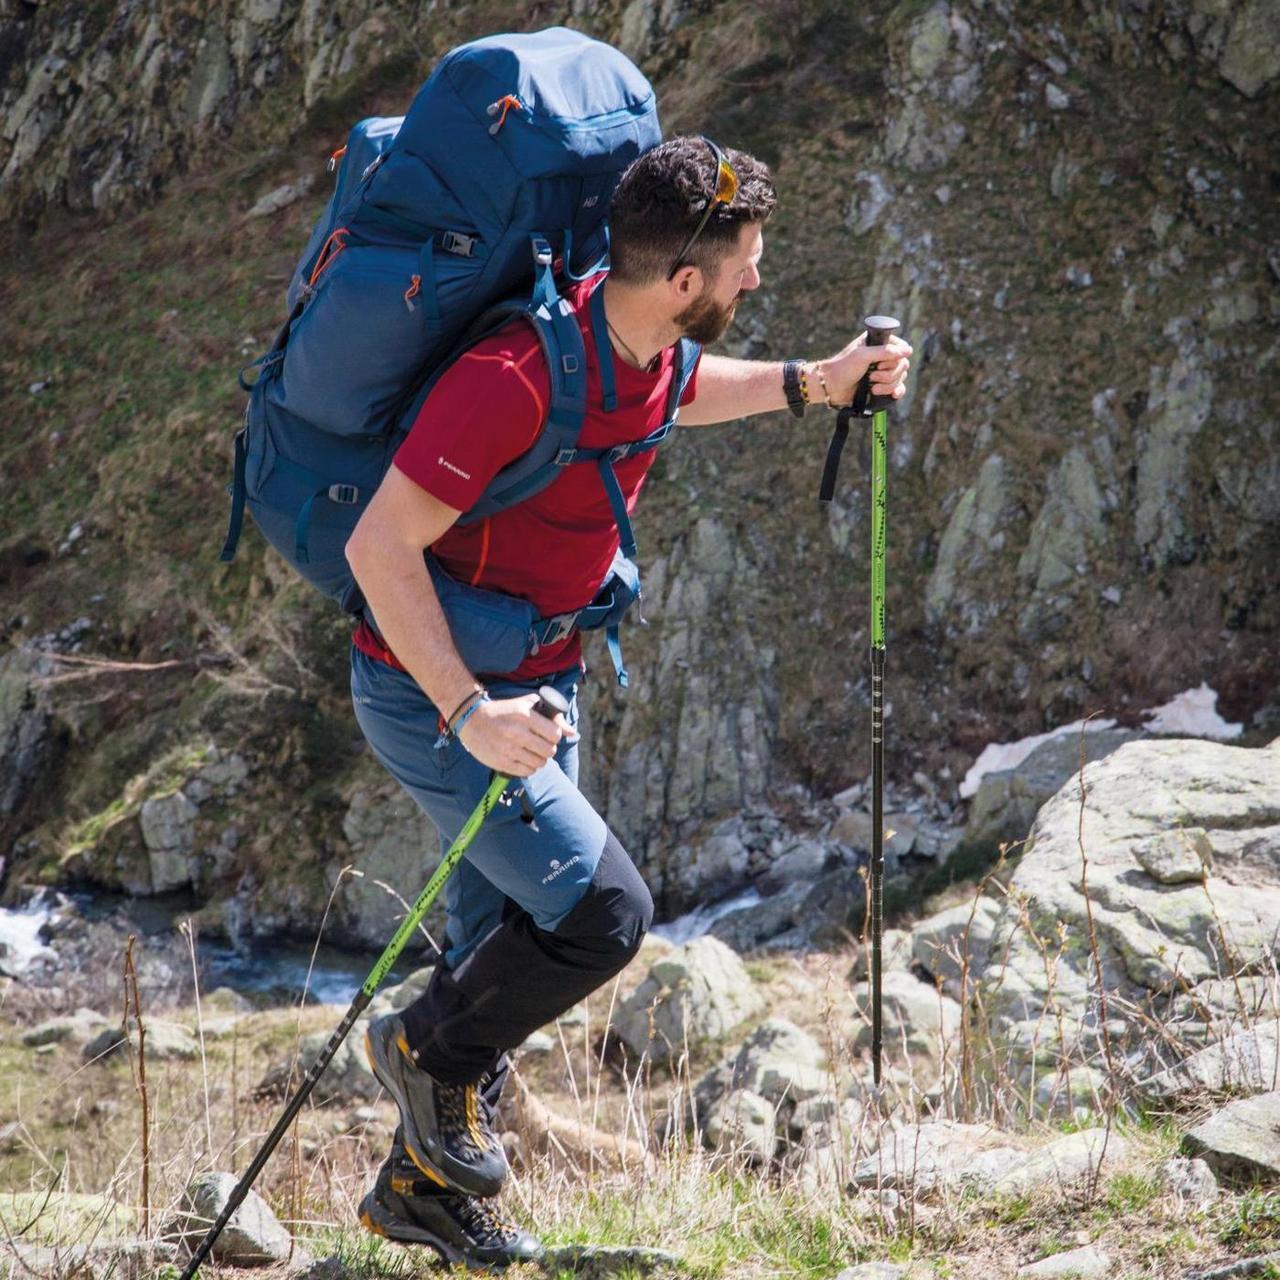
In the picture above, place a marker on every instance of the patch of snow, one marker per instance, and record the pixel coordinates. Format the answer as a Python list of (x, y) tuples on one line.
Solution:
[(696, 922), (1008, 755), (1194, 714)]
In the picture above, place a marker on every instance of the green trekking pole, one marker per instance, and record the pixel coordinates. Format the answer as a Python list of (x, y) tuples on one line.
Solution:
[(879, 329), (551, 703)]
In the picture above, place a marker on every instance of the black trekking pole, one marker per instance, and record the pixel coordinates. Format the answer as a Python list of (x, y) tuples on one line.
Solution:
[(551, 703), (879, 329)]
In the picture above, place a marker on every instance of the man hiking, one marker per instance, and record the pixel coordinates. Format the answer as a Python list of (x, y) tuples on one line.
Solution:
[(547, 905)]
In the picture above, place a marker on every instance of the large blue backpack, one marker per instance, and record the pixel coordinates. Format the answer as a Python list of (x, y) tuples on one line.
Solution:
[(446, 225)]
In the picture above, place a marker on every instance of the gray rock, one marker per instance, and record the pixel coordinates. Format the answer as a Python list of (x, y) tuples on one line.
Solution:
[(79, 1026), (1008, 800), (795, 868), (1191, 1181), (1074, 1094), (253, 1237), (1241, 1142), (1250, 58), (918, 1019), (778, 1061), (24, 720), (602, 1262), (895, 953), (168, 831), (744, 1124), (116, 1259), (1066, 1160), (347, 1078), (715, 867), (282, 197), (1151, 937), (873, 1271), (1230, 1004), (946, 943), (967, 544), (1181, 856), (1067, 531), (696, 993), (753, 926), (1261, 1264), (1083, 1264), (1247, 1062), (162, 1041), (853, 829), (393, 844), (925, 1157)]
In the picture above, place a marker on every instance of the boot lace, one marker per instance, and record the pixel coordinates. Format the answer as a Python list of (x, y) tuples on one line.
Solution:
[(482, 1221), (464, 1119)]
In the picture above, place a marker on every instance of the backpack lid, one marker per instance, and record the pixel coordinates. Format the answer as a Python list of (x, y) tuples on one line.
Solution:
[(579, 101)]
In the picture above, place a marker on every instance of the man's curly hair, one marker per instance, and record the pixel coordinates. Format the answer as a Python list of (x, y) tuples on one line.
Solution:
[(662, 196)]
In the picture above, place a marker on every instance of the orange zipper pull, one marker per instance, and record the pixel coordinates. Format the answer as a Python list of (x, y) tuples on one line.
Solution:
[(504, 104)]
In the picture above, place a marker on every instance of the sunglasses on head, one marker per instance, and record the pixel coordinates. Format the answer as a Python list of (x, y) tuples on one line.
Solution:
[(726, 189)]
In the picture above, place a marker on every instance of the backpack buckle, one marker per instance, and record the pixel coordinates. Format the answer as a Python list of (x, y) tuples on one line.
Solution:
[(542, 255), (561, 628), (457, 242), (564, 457), (346, 495), (619, 452)]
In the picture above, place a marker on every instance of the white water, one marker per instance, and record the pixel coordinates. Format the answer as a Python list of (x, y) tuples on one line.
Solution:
[(696, 922), (20, 934), (1193, 714)]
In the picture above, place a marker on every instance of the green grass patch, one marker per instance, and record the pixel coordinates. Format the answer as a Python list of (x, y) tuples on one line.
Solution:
[(1254, 1222)]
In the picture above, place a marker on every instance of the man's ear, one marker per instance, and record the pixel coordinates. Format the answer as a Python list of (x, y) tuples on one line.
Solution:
[(687, 283)]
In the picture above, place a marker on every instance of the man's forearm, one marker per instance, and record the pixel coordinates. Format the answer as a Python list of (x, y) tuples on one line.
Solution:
[(407, 611), (729, 389)]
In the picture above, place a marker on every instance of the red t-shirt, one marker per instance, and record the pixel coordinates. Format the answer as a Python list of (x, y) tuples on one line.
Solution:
[(554, 548)]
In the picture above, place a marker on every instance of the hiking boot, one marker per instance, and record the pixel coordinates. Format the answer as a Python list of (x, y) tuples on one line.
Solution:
[(446, 1127), (410, 1209)]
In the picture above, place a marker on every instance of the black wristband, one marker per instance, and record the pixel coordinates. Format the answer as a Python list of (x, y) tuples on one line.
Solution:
[(791, 387)]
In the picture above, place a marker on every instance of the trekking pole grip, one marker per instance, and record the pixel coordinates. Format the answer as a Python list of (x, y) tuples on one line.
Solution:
[(551, 702), (879, 330)]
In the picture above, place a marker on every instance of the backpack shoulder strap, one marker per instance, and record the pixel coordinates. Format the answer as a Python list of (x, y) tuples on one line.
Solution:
[(556, 327)]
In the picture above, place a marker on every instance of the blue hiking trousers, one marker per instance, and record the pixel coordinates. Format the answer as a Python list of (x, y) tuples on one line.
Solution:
[(538, 914)]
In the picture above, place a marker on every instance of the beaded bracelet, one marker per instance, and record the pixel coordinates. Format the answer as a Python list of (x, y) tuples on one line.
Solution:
[(822, 379)]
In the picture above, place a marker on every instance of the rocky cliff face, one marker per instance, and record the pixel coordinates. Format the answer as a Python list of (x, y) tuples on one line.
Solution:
[(1072, 213)]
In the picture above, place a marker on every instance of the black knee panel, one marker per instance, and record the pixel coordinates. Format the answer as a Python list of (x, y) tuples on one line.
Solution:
[(611, 918)]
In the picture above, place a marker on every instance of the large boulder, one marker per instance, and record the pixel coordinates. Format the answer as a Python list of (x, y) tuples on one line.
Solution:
[(1007, 800), (1153, 938), (696, 993)]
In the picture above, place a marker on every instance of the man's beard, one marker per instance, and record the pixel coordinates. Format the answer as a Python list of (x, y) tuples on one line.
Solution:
[(704, 320)]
